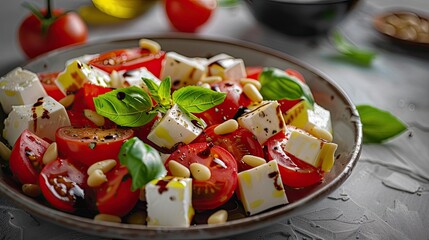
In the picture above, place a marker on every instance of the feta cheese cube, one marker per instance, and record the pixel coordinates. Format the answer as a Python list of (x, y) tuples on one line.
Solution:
[(169, 202), (174, 127), (182, 70), (134, 78), (42, 118), (261, 188), (227, 67), (77, 73), (301, 116), (310, 149), (264, 121), (19, 87)]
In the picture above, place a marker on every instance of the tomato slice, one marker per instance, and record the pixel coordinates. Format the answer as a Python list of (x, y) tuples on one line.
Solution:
[(254, 71), (286, 104), (26, 157), (128, 59), (90, 91), (48, 83), (295, 173), (223, 181), (115, 196), (63, 185), (229, 107), (91, 145), (296, 74), (239, 143)]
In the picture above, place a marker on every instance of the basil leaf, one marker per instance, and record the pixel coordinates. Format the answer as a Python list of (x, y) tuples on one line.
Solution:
[(164, 92), (351, 52), (195, 99), (143, 162), (378, 125), (126, 106), (153, 89), (277, 84)]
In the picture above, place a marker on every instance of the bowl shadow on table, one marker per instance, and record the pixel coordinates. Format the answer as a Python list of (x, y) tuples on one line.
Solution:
[(301, 17)]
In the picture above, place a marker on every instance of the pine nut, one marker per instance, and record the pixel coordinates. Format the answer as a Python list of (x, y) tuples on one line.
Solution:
[(211, 79), (31, 190), (137, 218), (51, 153), (200, 172), (142, 196), (218, 217), (107, 218), (105, 166), (318, 132), (206, 85), (96, 118), (4, 152), (244, 81), (226, 127), (252, 92), (150, 45), (253, 161), (67, 101), (96, 178), (116, 80), (178, 170)]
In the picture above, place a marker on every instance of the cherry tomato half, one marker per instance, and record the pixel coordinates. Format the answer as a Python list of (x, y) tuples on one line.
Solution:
[(129, 59), (26, 157), (189, 15), (91, 145), (63, 185), (239, 143), (223, 181), (229, 107), (295, 173), (48, 83), (115, 196)]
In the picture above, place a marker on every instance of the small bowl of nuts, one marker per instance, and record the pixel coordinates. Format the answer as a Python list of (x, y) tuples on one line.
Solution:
[(404, 26)]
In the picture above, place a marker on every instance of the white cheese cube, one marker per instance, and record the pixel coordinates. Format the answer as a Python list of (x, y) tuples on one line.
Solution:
[(310, 149), (261, 188), (77, 73), (42, 118), (264, 121), (174, 127), (169, 202), (182, 70), (301, 116), (134, 78), (227, 67), (20, 87)]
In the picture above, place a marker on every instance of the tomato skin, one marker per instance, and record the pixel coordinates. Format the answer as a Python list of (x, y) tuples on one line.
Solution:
[(129, 59), (26, 157), (90, 91), (229, 107), (91, 145), (48, 83), (60, 175), (296, 74), (239, 143), (294, 172), (253, 71), (286, 104), (221, 186), (67, 29), (115, 196), (189, 15)]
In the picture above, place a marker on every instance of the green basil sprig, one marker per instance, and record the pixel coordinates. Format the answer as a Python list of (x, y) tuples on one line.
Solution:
[(378, 125), (352, 53), (277, 84), (143, 162), (126, 106)]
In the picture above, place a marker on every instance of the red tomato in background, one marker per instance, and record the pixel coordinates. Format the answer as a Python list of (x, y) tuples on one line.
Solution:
[(91, 145), (294, 172), (67, 29), (26, 157), (63, 184), (223, 181), (189, 15), (129, 59), (48, 83), (239, 143), (115, 196), (229, 107)]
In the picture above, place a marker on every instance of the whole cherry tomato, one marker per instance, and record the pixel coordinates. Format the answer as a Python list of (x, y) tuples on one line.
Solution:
[(189, 15), (46, 30)]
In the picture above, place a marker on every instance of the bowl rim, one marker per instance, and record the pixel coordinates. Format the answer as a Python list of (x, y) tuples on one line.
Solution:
[(220, 230)]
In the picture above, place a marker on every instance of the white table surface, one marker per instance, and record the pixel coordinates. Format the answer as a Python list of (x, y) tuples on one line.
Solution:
[(387, 195)]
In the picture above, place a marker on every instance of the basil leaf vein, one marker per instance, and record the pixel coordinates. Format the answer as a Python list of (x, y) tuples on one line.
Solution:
[(195, 99)]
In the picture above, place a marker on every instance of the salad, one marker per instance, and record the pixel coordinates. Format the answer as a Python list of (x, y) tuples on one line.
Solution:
[(144, 136)]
